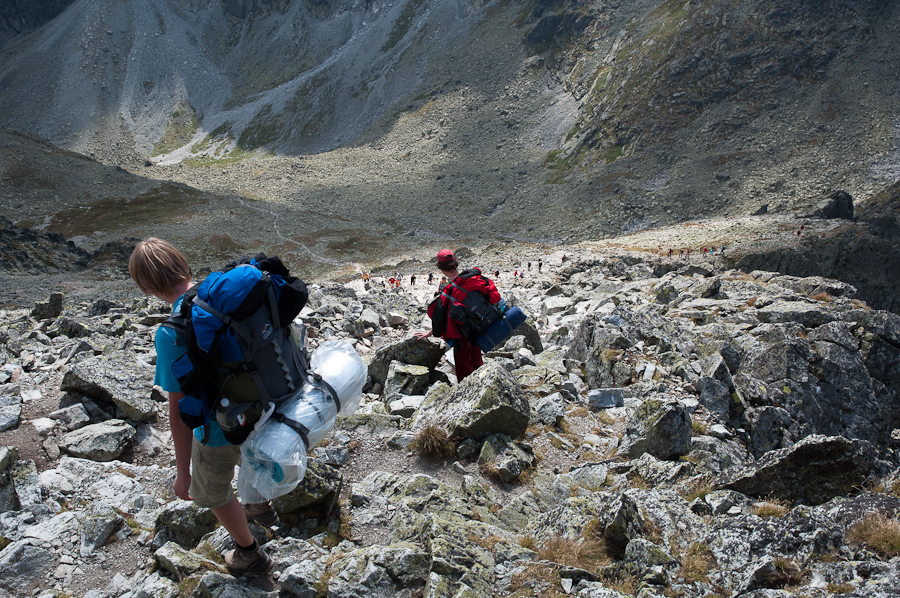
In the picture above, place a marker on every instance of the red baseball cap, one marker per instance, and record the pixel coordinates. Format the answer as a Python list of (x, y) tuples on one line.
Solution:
[(445, 255)]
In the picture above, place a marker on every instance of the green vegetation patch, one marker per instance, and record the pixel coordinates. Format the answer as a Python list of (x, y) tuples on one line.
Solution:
[(181, 126), (614, 153), (166, 203), (401, 27), (262, 130)]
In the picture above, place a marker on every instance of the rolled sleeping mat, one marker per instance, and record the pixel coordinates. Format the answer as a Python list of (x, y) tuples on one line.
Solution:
[(344, 370), (500, 331)]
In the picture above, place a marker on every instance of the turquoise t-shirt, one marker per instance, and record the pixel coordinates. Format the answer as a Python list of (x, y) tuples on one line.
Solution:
[(167, 351)]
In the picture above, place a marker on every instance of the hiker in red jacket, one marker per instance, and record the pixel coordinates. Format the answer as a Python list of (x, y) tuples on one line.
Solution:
[(467, 355)]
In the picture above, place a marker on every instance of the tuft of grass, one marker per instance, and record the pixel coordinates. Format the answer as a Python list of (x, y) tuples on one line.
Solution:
[(614, 153), (187, 586), (584, 553), (651, 531), (528, 541), (839, 588), (698, 428), (206, 550), (487, 542), (823, 297), (878, 532), (4, 542), (605, 418), (787, 573), (771, 507), (432, 442), (491, 472), (536, 574), (698, 489), (638, 482), (580, 411), (696, 563)]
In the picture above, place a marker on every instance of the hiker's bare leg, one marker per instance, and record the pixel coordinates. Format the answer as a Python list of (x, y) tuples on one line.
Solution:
[(232, 518)]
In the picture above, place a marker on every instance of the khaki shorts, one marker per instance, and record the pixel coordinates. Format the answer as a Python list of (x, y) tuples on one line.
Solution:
[(212, 469)]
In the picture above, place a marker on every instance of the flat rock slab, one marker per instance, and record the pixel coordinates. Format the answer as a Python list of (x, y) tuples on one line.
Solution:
[(118, 378)]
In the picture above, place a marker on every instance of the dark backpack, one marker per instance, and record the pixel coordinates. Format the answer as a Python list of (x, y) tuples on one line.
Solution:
[(439, 315), (475, 313), (236, 329)]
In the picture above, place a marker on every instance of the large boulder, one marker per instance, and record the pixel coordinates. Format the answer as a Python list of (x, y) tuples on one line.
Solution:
[(9, 500), (504, 458), (838, 205), (320, 487), (414, 351), (660, 426), (21, 563), (813, 471), (489, 401), (374, 570), (99, 442), (184, 523), (118, 378), (404, 379)]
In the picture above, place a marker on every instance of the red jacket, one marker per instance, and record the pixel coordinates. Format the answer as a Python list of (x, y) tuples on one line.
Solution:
[(472, 283)]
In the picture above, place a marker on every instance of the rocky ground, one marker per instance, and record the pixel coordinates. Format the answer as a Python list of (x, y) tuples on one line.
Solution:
[(665, 427)]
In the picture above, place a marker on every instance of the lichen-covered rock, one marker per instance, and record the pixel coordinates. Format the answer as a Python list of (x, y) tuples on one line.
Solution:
[(642, 555), (540, 381), (300, 579), (404, 379), (99, 442), (320, 486), (813, 471), (118, 378), (182, 563), (21, 563), (157, 585), (8, 499), (98, 524), (10, 412), (49, 309), (659, 426), (414, 351), (222, 585), (548, 410), (184, 523), (504, 458), (489, 401), (398, 569)]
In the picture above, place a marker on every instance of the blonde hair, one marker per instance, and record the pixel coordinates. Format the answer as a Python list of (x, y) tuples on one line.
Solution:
[(157, 267)]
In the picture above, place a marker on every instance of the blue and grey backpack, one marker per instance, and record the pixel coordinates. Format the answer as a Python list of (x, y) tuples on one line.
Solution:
[(236, 327)]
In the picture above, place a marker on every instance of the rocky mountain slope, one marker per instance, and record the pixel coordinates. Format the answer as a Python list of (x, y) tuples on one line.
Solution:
[(661, 428), (535, 121)]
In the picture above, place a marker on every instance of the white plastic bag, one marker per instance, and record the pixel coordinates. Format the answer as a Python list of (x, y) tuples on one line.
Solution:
[(273, 461), (341, 366)]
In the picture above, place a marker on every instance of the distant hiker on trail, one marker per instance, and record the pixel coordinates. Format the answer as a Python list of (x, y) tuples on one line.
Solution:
[(430, 277), (563, 260), (670, 252), (466, 355), (529, 266), (516, 274), (412, 279), (497, 274), (162, 271), (540, 265)]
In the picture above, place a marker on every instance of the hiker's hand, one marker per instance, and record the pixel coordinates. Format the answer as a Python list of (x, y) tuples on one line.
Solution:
[(423, 334), (182, 485)]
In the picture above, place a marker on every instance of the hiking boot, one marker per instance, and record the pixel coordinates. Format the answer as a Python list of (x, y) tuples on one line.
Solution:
[(262, 513), (252, 561)]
